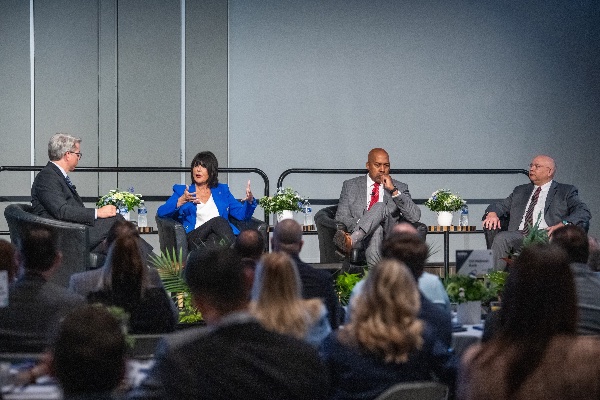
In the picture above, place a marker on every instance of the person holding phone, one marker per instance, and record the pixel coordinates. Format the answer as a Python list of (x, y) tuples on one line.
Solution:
[(204, 206)]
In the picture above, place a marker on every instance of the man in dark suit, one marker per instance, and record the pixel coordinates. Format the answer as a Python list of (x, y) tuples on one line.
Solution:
[(233, 357), (53, 195), (287, 237), (555, 204), (370, 205), (35, 305)]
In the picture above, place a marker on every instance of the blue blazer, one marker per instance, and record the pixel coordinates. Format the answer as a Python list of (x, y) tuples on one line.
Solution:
[(226, 204)]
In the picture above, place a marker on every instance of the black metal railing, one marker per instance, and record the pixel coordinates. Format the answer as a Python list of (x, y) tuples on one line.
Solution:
[(432, 171)]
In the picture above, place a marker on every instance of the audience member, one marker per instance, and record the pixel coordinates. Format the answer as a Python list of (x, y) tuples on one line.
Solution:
[(84, 283), (412, 251), (278, 304), (536, 354), (35, 305), (150, 309), (8, 260), (88, 355), (250, 244), (234, 357), (429, 284), (385, 343), (287, 237), (555, 204), (370, 205), (574, 241)]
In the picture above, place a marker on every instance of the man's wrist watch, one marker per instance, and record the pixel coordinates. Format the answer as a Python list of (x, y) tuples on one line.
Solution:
[(394, 190), (565, 222)]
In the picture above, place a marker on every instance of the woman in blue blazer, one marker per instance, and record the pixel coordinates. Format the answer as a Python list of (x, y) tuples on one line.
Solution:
[(204, 206)]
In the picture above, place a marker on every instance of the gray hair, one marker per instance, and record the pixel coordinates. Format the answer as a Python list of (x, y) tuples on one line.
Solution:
[(60, 144)]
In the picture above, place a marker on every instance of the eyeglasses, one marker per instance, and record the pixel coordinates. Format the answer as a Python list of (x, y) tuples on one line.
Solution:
[(79, 154), (537, 166)]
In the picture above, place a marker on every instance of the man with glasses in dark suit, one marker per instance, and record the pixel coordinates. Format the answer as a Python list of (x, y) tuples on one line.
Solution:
[(555, 204), (53, 195)]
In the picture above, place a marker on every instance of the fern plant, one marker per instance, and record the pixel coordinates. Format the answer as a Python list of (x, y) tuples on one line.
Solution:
[(170, 269), (344, 283)]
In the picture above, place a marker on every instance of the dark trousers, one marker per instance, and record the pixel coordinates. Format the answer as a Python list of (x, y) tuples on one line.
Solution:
[(215, 231)]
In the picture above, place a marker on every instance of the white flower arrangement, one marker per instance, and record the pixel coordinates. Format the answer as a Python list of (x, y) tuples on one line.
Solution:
[(284, 199), (444, 200), (121, 199)]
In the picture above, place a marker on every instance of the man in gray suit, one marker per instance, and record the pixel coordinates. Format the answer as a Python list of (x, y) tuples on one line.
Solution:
[(555, 204), (370, 205), (35, 305)]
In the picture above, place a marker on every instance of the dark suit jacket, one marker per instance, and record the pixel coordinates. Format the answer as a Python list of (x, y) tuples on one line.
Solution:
[(237, 359), (562, 203), (35, 307), (51, 197), (318, 283), (353, 201)]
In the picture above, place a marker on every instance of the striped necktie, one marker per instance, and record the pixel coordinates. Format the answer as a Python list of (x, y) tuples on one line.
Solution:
[(529, 213), (374, 195), (69, 182)]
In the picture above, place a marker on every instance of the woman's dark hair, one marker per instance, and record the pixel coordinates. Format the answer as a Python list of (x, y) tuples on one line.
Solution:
[(208, 160), (127, 271), (121, 227), (539, 303)]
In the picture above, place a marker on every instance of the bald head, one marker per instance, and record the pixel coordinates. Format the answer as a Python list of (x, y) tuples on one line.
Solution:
[(287, 237), (541, 169), (405, 227), (378, 164)]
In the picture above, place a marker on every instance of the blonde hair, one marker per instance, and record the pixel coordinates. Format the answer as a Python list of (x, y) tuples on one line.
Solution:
[(277, 297), (384, 316)]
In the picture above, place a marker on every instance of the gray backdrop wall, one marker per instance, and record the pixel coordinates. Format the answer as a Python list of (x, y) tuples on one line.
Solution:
[(277, 84)]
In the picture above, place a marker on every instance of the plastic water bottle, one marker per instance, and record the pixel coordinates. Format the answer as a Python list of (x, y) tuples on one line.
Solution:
[(308, 218), (464, 216), (142, 219)]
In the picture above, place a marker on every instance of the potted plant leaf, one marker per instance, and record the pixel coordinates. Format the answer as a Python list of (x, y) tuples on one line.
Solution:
[(468, 292)]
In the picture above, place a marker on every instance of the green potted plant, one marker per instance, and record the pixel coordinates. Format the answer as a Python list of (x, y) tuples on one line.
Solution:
[(170, 269), (283, 203), (468, 292), (344, 283), (444, 203)]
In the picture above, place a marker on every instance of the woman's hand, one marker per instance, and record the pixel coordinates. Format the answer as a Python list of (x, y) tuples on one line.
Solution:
[(249, 195), (186, 197)]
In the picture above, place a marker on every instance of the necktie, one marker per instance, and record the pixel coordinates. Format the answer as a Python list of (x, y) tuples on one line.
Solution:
[(69, 182), (529, 213), (374, 196)]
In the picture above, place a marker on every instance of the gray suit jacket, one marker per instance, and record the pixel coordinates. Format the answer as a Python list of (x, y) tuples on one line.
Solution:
[(587, 285), (353, 201), (562, 203)]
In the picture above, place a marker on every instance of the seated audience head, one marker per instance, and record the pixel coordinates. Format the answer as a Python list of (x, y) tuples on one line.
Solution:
[(539, 297), (120, 228), (574, 241), (38, 250), (250, 244), (8, 259), (277, 297), (287, 237), (88, 355), (208, 161), (384, 317), (407, 248), (405, 227), (594, 257), (217, 282), (60, 144), (127, 269)]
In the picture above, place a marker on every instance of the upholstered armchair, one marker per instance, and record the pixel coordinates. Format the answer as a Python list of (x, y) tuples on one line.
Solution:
[(326, 228), (171, 233), (73, 240)]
